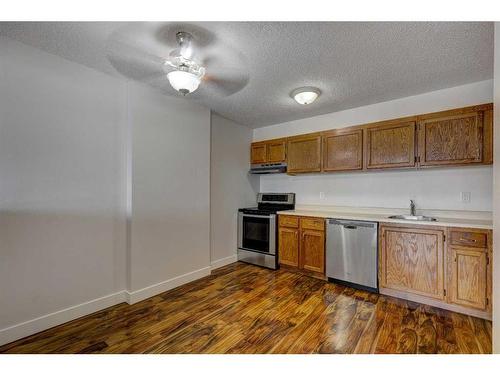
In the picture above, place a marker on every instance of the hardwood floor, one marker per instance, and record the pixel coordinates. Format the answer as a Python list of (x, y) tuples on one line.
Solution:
[(247, 309)]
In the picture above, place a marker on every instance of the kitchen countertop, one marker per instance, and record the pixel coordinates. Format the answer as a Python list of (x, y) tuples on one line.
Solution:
[(461, 219)]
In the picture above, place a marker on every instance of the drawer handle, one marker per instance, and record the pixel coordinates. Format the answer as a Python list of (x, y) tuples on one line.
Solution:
[(468, 240)]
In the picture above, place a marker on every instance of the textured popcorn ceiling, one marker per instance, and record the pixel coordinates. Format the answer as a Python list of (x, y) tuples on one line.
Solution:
[(353, 64)]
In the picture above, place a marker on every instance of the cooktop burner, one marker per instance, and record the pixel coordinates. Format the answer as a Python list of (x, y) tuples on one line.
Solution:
[(270, 203)]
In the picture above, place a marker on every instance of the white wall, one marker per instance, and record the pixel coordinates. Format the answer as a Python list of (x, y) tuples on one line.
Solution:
[(455, 97), (432, 189), (61, 233), (496, 200), (231, 187), (104, 191), (170, 227)]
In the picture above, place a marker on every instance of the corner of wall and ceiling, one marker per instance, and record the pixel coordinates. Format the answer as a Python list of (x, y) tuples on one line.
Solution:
[(210, 192), (128, 184)]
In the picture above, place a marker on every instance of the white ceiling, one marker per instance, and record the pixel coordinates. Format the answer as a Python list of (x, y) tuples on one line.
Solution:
[(353, 63)]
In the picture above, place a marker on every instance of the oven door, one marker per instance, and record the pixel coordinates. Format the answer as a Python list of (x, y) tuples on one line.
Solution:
[(257, 233)]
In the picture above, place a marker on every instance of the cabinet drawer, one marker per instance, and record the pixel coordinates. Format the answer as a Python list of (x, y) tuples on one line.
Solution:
[(289, 221), (469, 239), (314, 223)]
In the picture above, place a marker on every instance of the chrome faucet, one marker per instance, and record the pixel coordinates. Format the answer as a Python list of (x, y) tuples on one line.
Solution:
[(412, 208)]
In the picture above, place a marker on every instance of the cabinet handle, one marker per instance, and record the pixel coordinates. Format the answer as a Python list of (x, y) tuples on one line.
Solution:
[(467, 240)]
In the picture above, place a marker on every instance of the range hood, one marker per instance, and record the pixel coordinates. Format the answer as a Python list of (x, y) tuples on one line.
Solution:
[(267, 168)]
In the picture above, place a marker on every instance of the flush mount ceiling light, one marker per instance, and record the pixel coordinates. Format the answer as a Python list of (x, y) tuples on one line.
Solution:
[(188, 73), (305, 95)]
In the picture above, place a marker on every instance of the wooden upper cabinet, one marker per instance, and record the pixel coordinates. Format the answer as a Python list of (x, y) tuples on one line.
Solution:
[(343, 150), (258, 153), (462, 136), (451, 138), (390, 145), (304, 153), (411, 260), (468, 272), (488, 136), (273, 151), (276, 151)]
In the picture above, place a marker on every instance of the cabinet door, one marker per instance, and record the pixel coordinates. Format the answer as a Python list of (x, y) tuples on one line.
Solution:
[(467, 277), (276, 151), (288, 248), (312, 250), (304, 153), (488, 136), (258, 153), (390, 145), (411, 260), (343, 150), (451, 140)]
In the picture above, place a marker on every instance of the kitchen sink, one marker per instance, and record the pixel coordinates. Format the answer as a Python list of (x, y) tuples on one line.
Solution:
[(413, 217)]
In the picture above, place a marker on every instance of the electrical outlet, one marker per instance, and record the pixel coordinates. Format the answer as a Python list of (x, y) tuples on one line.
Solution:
[(465, 196), (321, 195)]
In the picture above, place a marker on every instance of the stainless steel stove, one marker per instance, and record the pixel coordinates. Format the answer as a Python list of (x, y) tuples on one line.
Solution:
[(257, 229)]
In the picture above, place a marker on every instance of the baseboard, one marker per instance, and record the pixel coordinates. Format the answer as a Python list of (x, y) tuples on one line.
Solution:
[(153, 290), (42, 323), (223, 262), (432, 302)]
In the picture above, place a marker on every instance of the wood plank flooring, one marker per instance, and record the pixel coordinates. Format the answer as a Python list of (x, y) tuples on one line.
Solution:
[(242, 308)]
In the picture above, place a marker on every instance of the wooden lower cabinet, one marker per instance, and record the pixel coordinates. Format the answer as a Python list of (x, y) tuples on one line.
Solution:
[(288, 246), (411, 260), (432, 265), (313, 250), (301, 244), (468, 277)]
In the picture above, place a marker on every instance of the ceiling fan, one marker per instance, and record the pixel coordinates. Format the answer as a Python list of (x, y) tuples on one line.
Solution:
[(187, 73), (186, 58)]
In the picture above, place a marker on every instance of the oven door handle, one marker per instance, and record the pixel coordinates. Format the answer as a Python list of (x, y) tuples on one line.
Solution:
[(261, 216)]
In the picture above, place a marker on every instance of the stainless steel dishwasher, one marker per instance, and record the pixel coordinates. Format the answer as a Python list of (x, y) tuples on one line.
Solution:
[(351, 253)]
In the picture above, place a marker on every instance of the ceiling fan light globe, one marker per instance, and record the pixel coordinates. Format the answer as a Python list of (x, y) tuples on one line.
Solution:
[(183, 82)]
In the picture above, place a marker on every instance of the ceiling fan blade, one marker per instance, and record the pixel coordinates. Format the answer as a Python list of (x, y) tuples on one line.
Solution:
[(147, 52), (224, 86), (133, 62), (155, 78)]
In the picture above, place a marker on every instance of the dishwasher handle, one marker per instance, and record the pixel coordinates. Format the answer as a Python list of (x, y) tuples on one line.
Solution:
[(350, 224)]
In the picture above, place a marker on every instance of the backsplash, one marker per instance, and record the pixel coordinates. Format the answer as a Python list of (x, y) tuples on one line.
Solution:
[(439, 189)]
